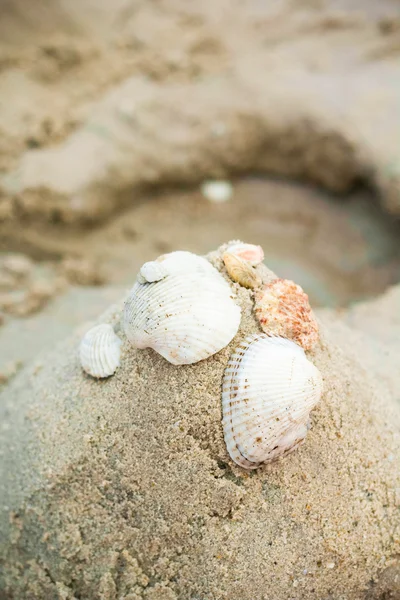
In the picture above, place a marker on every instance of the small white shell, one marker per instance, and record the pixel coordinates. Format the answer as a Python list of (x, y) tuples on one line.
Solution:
[(152, 271), (250, 252), (186, 317), (217, 191), (269, 389), (100, 351)]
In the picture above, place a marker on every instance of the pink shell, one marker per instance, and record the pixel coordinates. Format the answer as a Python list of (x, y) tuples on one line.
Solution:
[(283, 309), (249, 252)]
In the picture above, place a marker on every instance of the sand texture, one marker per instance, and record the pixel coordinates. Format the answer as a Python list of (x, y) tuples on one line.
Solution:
[(375, 335), (103, 103), (123, 488)]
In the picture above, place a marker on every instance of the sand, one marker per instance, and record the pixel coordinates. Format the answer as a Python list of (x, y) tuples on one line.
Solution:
[(123, 488), (105, 102), (375, 334)]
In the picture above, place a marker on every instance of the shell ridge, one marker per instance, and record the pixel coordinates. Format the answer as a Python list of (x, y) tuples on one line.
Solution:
[(99, 351), (268, 390)]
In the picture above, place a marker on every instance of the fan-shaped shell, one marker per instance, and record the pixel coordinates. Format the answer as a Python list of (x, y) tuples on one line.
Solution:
[(186, 317), (250, 252), (269, 389), (283, 309), (174, 263), (241, 271), (100, 351), (182, 261)]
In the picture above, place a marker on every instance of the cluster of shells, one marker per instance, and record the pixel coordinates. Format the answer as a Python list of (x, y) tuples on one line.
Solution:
[(182, 307)]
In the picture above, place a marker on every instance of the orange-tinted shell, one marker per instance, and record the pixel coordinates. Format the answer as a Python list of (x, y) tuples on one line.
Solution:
[(241, 271), (283, 309)]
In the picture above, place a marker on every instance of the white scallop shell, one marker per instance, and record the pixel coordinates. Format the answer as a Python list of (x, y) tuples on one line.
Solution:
[(253, 254), (100, 351), (185, 317), (174, 263), (182, 261), (269, 389)]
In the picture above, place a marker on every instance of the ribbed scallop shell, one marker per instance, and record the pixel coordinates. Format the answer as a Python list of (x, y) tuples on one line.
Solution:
[(100, 351), (283, 309), (174, 263), (269, 389), (250, 252), (241, 271), (186, 317)]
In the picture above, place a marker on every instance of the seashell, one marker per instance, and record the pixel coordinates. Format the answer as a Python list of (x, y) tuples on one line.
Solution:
[(250, 252), (283, 309), (173, 263), (241, 271), (186, 317), (269, 389), (182, 261), (100, 351), (152, 271), (217, 191)]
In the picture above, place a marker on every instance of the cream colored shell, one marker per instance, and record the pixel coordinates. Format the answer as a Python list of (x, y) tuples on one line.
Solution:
[(187, 316), (100, 351), (241, 271), (269, 389)]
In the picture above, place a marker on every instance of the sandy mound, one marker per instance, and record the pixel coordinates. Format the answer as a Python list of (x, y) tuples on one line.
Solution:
[(375, 335), (123, 488)]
